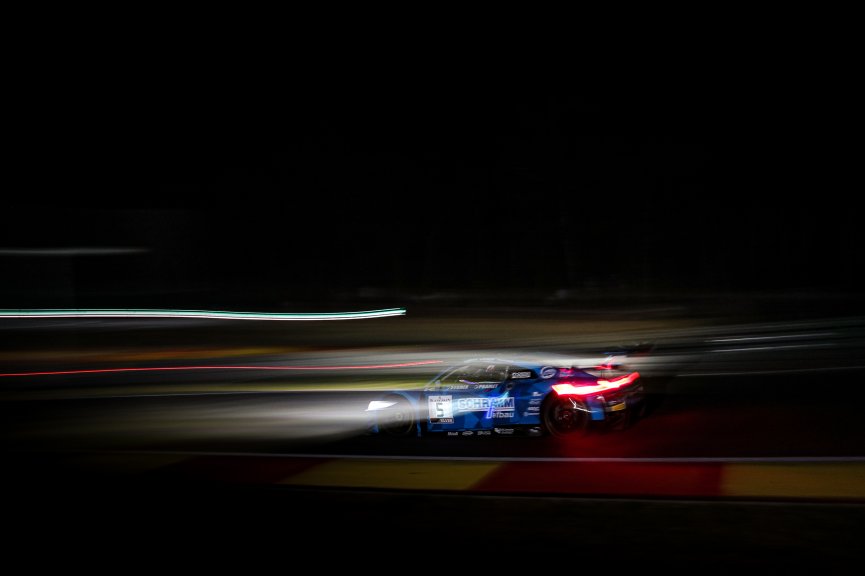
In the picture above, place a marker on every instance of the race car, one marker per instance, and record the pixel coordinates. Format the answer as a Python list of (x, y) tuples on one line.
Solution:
[(488, 396)]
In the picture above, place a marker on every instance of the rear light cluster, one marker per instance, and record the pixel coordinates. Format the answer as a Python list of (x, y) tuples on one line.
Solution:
[(603, 385)]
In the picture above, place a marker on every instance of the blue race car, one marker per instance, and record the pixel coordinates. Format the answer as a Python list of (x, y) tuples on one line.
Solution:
[(490, 396)]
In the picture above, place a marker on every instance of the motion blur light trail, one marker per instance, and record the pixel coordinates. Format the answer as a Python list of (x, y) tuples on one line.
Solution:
[(205, 367), (212, 314)]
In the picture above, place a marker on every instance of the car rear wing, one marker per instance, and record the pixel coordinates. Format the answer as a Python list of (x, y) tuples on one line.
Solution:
[(620, 356)]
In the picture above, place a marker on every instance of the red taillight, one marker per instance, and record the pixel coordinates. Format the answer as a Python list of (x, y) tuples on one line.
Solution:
[(562, 389), (620, 381), (599, 386)]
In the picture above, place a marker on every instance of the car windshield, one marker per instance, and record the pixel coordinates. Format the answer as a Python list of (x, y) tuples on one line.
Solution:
[(476, 374)]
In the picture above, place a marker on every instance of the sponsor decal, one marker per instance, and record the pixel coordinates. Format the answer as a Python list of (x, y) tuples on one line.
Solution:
[(453, 433), (523, 374), (441, 409), (457, 387), (533, 409), (535, 402), (501, 407), (548, 372), (485, 433), (467, 432), (504, 431), (536, 393), (482, 404), (484, 386)]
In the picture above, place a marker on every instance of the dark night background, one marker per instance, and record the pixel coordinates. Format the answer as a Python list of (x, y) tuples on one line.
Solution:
[(298, 171), (346, 197)]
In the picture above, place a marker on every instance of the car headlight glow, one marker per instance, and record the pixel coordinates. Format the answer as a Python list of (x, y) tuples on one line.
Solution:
[(379, 405)]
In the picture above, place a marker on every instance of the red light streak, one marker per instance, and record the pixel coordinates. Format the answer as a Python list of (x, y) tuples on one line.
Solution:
[(620, 381), (599, 386), (179, 368)]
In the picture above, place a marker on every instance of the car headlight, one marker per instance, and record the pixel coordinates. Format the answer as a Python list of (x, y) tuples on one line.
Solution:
[(379, 405)]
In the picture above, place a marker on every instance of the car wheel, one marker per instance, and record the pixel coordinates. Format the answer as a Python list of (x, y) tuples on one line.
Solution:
[(637, 412), (397, 420), (564, 415)]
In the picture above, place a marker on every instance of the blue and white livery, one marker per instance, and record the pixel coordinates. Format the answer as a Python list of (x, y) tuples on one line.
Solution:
[(488, 397)]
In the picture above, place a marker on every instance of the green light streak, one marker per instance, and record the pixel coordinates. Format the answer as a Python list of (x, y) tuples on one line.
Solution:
[(206, 314)]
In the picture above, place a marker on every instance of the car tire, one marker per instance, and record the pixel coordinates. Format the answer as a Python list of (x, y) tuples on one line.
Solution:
[(397, 420), (637, 412), (563, 416)]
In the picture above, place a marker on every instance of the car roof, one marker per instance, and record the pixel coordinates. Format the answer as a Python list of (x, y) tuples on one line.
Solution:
[(510, 362)]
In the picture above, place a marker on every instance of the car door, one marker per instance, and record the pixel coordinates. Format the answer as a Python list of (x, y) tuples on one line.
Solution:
[(466, 400)]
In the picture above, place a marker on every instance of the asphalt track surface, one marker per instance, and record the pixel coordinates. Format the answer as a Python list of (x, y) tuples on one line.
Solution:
[(762, 417)]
